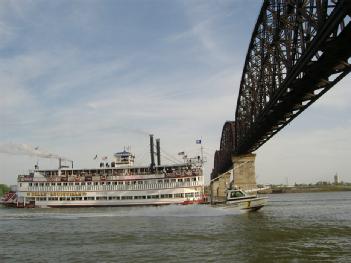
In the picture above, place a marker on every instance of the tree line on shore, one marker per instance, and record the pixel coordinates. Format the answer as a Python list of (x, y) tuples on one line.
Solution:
[(4, 189)]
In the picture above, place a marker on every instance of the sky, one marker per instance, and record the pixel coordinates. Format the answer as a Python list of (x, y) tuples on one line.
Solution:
[(86, 78)]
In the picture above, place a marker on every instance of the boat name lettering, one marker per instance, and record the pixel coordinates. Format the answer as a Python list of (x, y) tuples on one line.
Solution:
[(56, 194)]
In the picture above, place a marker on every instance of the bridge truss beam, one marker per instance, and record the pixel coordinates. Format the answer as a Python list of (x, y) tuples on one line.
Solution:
[(298, 51)]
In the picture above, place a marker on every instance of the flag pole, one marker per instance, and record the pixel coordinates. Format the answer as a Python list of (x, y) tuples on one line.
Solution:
[(202, 153)]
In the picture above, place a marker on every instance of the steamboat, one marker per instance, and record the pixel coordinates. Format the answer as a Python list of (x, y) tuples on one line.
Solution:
[(118, 183)]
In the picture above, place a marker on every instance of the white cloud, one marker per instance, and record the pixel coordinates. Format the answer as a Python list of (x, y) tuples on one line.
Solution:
[(7, 34), (203, 25)]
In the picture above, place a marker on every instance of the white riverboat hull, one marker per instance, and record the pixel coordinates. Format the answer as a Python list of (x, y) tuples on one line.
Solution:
[(116, 203)]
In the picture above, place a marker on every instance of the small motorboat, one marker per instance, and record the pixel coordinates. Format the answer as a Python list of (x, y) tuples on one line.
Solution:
[(239, 199)]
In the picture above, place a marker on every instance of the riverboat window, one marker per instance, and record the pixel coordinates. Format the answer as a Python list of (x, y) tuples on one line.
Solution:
[(187, 179), (64, 183), (140, 197), (82, 183), (30, 184), (76, 183), (41, 198), (166, 196), (96, 183), (166, 181), (179, 180), (36, 184), (53, 198), (140, 182), (53, 184), (189, 194), (89, 183), (152, 196), (128, 183), (173, 180), (179, 195), (194, 178), (47, 184), (70, 183), (101, 198), (102, 183), (108, 183), (58, 183), (114, 183), (127, 197), (76, 198), (134, 182)]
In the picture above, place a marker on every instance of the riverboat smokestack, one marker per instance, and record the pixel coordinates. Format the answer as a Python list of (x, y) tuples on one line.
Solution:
[(152, 151), (158, 152)]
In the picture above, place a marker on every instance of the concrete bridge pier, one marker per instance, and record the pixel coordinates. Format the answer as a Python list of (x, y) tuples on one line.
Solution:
[(242, 175)]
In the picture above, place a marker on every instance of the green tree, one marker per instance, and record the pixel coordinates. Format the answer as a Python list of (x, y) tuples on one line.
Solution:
[(3, 189)]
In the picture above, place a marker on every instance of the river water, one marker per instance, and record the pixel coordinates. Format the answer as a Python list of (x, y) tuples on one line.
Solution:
[(308, 227)]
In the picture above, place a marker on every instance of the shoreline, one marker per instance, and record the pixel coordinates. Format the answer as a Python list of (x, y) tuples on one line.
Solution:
[(307, 189)]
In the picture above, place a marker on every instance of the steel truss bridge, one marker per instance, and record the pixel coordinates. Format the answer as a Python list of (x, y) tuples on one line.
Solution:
[(299, 49)]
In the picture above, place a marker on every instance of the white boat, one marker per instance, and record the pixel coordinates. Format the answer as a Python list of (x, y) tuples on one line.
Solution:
[(118, 183), (239, 199)]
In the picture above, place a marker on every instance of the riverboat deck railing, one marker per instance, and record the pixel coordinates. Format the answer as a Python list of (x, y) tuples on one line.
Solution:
[(106, 177), (127, 186)]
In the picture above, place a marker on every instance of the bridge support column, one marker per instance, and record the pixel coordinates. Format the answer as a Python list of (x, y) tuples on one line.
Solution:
[(244, 175), (219, 186)]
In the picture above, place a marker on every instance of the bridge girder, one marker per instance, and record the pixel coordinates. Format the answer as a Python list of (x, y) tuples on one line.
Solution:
[(299, 49), (223, 157)]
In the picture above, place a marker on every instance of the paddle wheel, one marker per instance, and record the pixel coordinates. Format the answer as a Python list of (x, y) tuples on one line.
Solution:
[(9, 199)]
